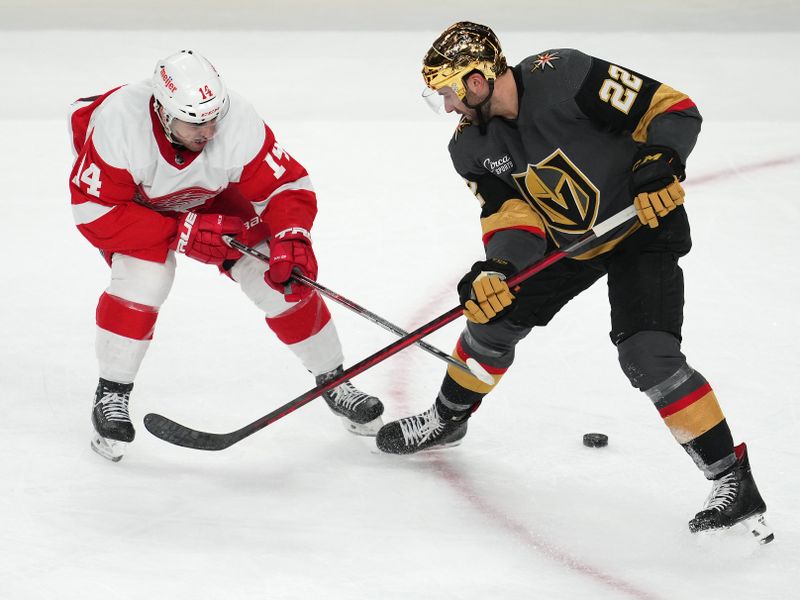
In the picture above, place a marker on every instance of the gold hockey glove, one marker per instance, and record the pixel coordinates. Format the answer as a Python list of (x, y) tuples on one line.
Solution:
[(484, 293), (655, 181), (649, 205)]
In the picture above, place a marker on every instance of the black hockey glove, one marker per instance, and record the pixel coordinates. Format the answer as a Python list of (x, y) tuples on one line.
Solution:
[(484, 293), (655, 183)]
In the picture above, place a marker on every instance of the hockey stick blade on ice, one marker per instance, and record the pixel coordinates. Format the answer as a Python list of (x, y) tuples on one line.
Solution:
[(180, 435), (472, 366)]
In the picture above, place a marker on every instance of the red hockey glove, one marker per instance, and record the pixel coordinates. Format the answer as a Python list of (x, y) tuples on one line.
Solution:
[(291, 249), (200, 237)]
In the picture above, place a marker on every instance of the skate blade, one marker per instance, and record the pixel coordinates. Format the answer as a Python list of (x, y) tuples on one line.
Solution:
[(438, 447), (423, 452), (758, 527), (369, 429), (113, 450)]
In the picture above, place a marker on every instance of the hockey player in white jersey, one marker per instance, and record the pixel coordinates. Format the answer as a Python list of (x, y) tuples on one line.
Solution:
[(166, 167)]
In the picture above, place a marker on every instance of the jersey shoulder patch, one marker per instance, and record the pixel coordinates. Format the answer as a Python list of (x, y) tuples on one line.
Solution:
[(552, 76)]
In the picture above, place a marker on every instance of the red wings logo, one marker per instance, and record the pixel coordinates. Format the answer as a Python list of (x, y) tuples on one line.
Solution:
[(179, 201)]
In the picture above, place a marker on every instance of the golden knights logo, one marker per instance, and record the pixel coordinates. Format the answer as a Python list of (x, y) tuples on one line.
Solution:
[(560, 193)]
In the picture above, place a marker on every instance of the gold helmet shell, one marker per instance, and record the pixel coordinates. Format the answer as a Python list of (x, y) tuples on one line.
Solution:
[(461, 49)]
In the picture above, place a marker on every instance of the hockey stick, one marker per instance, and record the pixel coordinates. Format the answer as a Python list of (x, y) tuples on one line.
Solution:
[(472, 366), (180, 435)]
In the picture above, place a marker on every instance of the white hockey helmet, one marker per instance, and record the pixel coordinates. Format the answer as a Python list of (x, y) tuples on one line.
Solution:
[(187, 86)]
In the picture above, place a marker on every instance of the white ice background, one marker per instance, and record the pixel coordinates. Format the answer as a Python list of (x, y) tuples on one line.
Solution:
[(304, 510)]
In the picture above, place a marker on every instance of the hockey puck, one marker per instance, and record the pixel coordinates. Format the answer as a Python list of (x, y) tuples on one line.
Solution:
[(595, 440)]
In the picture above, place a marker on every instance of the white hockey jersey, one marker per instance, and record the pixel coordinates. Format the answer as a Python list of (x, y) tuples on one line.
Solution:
[(129, 183)]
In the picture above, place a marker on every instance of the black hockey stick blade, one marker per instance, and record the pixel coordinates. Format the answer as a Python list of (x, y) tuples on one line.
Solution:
[(180, 435)]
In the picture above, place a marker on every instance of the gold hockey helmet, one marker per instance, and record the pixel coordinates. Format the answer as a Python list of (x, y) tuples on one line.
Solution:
[(462, 48)]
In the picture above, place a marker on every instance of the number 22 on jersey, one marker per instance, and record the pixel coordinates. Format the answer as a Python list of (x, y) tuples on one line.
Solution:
[(621, 89)]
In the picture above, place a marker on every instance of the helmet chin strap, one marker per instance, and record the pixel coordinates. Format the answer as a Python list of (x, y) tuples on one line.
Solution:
[(484, 101), (477, 107), (164, 122)]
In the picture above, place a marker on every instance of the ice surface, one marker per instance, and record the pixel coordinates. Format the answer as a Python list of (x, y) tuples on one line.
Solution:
[(304, 510)]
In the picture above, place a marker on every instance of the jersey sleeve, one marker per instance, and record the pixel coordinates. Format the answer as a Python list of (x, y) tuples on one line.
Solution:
[(279, 188), (105, 211), (628, 102), (510, 228), (80, 117), (502, 209)]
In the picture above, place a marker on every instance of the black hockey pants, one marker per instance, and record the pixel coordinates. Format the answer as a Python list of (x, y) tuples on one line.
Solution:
[(645, 291)]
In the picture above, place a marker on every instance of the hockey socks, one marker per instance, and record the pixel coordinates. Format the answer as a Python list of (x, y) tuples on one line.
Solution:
[(690, 410), (124, 332)]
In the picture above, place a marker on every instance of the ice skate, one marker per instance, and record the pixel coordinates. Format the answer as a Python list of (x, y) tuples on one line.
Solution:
[(420, 432), (360, 412), (112, 423), (734, 498)]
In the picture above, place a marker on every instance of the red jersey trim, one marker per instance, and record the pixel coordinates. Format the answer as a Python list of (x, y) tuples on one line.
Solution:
[(534, 230), (682, 105)]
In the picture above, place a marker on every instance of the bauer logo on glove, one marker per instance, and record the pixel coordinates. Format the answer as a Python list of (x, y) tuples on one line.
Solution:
[(200, 237)]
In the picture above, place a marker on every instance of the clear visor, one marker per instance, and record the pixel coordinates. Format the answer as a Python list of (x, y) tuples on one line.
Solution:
[(441, 101), (193, 132)]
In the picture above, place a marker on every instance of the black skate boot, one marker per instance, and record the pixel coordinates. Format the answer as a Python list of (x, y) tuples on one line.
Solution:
[(421, 432), (360, 412), (112, 423), (734, 498)]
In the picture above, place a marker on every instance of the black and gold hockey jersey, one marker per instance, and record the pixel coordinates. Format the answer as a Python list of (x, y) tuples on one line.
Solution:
[(565, 163)]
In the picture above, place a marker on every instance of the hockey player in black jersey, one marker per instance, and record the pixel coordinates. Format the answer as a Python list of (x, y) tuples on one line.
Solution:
[(551, 147)]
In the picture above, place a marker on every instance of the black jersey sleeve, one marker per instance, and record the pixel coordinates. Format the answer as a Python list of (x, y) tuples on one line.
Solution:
[(491, 192), (503, 208), (511, 229), (628, 102), (615, 97)]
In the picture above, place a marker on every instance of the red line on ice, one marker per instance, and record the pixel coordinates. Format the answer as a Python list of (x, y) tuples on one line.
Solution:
[(733, 171), (519, 530)]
